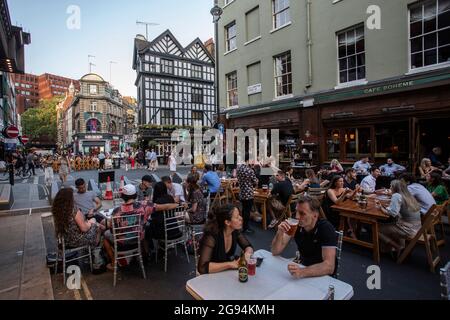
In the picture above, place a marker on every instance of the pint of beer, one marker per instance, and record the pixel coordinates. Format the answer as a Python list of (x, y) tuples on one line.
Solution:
[(293, 223)]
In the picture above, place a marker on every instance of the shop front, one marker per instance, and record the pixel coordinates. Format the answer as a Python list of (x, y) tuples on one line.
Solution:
[(404, 125), (94, 144)]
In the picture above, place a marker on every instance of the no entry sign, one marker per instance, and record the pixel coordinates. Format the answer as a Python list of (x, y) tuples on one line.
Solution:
[(24, 139), (12, 132)]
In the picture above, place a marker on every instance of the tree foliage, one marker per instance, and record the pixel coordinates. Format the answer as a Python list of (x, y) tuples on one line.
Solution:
[(40, 122)]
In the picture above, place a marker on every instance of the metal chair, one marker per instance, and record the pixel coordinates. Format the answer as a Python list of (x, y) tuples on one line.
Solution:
[(194, 231), (62, 244), (340, 235), (445, 282), (174, 233), (127, 230)]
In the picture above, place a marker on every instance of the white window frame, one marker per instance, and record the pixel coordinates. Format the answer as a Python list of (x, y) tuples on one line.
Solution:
[(91, 92), (167, 68), (431, 66), (93, 106), (276, 76), (231, 90), (356, 82), (228, 39), (197, 74), (275, 14)]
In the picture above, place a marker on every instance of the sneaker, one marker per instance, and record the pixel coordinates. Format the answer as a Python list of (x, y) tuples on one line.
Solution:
[(273, 223)]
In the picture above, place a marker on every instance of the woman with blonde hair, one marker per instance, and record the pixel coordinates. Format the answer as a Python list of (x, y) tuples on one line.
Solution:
[(405, 212), (426, 168), (335, 166)]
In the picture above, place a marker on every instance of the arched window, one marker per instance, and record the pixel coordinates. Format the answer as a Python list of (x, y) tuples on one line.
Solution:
[(93, 126), (113, 127)]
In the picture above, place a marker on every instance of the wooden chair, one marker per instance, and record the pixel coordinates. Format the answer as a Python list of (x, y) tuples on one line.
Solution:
[(439, 226), (427, 236), (317, 193)]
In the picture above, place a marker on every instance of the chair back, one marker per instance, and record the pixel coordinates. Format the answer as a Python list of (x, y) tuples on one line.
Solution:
[(175, 224), (317, 193), (126, 229), (340, 238), (445, 282)]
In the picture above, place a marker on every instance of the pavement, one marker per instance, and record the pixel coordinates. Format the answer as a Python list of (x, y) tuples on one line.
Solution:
[(25, 238)]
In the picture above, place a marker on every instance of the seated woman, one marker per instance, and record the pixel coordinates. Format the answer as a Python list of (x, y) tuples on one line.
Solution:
[(71, 223), (336, 167), (221, 172), (197, 212), (406, 213), (436, 188), (290, 173), (335, 195), (426, 168), (218, 245)]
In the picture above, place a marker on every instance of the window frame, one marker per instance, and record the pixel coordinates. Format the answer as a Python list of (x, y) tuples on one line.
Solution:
[(232, 90), (353, 28), (276, 76), (228, 39), (275, 14)]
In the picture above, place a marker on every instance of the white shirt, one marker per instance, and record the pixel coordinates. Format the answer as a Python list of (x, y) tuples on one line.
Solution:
[(369, 184), (176, 191), (423, 196), (172, 163), (362, 167)]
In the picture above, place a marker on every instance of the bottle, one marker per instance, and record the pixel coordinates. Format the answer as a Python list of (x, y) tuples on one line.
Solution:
[(243, 268), (330, 293)]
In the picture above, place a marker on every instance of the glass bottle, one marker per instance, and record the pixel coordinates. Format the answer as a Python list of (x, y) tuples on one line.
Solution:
[(243, 268)]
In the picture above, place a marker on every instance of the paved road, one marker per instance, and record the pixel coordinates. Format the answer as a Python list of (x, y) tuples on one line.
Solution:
[(33, 193)]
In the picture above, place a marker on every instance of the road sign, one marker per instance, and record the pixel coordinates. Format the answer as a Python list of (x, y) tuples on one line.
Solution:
[(24, 139), (12, 132)]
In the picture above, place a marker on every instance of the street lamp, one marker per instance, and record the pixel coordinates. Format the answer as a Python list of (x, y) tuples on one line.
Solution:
[(216, 12)]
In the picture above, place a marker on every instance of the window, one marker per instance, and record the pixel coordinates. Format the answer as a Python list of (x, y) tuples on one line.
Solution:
[(230, 34), (93, 126), (93, 106), (197, 95), (197, 71), (429, 33), (232, 91), (283, 75), (167, 66), (280, 11), (167, 92), (252, 24), (167, 117), (351, 55), (93, 89), (334, 144), (113, 128), (197, 118)]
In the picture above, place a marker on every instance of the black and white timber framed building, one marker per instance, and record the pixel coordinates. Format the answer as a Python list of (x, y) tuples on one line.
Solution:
[(175, 84)]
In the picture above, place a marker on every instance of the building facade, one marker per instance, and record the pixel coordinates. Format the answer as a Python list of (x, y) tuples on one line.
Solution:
[(334, 83), (98, 117), (175, 87), (31, 88)]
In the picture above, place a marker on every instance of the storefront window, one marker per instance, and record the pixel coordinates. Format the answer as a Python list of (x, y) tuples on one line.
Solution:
[(93, 126), (334, 144), (392, 141)]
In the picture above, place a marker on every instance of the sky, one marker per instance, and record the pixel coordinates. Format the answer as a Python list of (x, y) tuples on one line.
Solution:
[(107, 29)]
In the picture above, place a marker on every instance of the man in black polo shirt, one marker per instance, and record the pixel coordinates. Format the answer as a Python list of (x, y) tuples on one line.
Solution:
[(316, 241)]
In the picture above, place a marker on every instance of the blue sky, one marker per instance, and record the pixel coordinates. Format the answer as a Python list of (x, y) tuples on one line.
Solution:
[(107, 31)]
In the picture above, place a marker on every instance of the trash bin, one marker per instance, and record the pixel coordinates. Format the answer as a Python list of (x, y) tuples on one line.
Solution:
[(116, 163)]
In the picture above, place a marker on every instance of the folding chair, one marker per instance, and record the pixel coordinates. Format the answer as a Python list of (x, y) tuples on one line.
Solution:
[(174, 233), (427, 236), (445, 282), (62, 244), (439, 226), (127, 231)]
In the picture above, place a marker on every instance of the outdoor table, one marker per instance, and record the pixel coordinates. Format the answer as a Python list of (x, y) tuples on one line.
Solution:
[(261, 197), (371, 215), (271, 282)]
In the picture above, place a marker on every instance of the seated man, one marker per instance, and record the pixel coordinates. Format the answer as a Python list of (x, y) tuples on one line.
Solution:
[(390, 168), (369, 183), (144, 190), (283, 189), (174, 189), (419, 192), (362, 166), (212, 180), (316, 240), (87, 201)]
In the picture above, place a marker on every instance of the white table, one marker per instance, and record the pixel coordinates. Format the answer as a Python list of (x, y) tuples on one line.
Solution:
[(272, 282)]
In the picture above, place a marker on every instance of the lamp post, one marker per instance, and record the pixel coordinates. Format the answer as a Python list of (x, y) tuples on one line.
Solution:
[(216, 12)]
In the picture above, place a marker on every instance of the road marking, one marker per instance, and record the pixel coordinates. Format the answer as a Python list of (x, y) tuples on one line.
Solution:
[(86, 290), (36, 180)]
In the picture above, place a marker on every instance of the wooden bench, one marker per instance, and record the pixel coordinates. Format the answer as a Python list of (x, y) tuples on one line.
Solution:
[(6, 197)]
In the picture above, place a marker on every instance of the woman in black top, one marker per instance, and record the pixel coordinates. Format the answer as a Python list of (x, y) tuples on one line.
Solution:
[(218, 245)]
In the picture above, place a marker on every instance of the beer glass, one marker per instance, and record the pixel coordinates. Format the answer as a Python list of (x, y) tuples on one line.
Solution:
[(293, 223)]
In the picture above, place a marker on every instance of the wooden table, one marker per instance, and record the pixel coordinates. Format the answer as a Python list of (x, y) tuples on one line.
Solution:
[(272, 281), (371, 215), (261, 198)]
